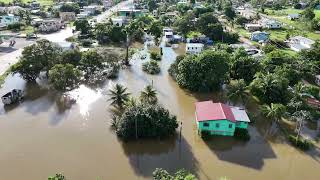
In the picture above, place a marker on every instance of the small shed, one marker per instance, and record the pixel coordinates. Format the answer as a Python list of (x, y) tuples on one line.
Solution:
[(293, 16), (194, 48), (253, 27)]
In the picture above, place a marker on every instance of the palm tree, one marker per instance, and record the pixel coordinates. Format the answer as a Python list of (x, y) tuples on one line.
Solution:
[(238, 91), (300, 116), (132, 102), (118, 96), (149, 95), (274, 111)]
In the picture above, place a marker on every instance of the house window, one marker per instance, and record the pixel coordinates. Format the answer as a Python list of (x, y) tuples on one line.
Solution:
[(206, 124), (238, 123), (217, 125), (230, 125)]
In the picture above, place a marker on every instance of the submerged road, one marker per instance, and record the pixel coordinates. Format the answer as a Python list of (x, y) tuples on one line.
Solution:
[(11, 58)]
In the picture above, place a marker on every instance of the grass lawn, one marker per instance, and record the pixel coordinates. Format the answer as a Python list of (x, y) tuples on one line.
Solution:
[(42, 2), (296, 27)]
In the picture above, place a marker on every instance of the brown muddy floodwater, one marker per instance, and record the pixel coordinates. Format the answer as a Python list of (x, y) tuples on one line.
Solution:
[(39, 138)]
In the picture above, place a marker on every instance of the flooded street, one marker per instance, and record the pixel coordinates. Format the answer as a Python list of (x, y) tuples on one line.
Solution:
[(40, 138)]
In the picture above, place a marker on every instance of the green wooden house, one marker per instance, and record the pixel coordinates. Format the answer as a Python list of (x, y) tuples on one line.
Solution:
[(130, 12), (220, 119)]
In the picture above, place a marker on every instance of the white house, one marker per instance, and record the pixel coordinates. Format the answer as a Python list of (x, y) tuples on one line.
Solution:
[(253, 27), (299, 43), (168, 36), (194, 48), (9, 19), (166, 29), (293, 16), (272, 24), (119, 21), (90, 10)]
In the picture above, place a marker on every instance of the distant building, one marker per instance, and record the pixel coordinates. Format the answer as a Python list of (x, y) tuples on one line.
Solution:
[(11, 10), (119, 21), (34, 5), (272, 24), (194, 48), (253, 27), (183, 2), (293, 16), (220, 119), (66, 45), (8, 19), (67, 16), (247, 13), (167, 29), (49, 25), (126, 12), (259, 36), (299, 43), (168, 36), (90, 10), (107, 4)]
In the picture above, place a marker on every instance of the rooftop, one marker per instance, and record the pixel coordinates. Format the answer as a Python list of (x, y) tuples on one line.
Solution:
[(194, 45), (207, 110), (240, 114)]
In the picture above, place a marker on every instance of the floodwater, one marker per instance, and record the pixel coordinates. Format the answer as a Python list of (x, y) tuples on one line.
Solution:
[(39, 138)]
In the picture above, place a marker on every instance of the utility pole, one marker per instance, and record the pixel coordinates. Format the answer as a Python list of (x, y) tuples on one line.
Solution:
[(127, 50)]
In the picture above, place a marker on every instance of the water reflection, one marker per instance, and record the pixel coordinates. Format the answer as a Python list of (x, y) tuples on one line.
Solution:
[(85, 97), (250, 154), (171, 154)]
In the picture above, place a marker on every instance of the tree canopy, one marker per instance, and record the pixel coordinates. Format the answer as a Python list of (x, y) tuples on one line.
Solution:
[(204, 72)]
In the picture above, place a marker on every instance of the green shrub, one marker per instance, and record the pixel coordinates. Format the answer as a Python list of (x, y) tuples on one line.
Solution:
[(300, 143), (86, 42), (15, 26), (155, 56), (151, 121), (151, 67), (241, 134)]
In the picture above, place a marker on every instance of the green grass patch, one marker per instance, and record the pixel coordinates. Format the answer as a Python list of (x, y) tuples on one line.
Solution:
[(42, 2), (3, 76)]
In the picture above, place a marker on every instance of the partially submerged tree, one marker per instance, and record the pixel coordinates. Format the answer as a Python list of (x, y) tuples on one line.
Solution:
[(118, 96), (149, 95), (64, 76)]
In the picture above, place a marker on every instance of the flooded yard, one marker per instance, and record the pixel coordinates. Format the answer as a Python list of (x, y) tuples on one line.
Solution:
[(40, 138)]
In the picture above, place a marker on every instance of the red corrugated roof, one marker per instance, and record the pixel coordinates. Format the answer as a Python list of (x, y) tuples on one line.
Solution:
[(207, 110)]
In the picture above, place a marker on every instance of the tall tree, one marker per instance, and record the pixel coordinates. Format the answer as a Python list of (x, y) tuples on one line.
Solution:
[(118, 96), (38, 57), (273, 111), (270, 88), (149, 95), (237, 90), (63, 77)]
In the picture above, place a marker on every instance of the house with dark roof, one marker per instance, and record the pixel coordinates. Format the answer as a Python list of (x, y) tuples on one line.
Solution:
[(219, 118)]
